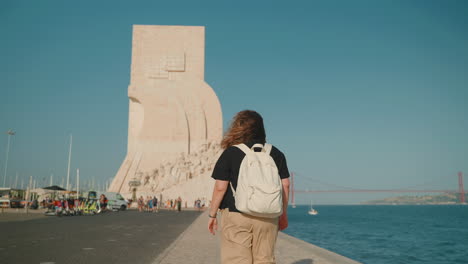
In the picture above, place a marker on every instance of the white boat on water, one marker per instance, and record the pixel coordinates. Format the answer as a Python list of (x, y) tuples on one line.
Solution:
[(312, 211)]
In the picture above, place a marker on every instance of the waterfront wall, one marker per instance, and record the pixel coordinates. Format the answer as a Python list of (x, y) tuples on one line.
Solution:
[(291, 250)]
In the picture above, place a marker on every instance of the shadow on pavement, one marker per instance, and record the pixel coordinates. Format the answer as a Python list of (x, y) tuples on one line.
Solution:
[(304, 261)]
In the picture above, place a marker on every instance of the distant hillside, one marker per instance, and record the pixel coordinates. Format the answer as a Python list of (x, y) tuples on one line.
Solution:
[(446, 198)]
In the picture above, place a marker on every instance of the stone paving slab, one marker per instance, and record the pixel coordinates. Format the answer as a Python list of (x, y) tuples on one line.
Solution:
[(196, 245)]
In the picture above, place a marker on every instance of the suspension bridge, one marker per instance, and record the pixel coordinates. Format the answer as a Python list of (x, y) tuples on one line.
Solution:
[(460, 190)]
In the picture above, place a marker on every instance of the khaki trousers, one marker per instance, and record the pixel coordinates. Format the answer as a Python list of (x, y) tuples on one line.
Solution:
[(247, 239)]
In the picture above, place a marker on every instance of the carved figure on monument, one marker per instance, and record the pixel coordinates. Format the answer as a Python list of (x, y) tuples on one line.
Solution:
[(175, 119)]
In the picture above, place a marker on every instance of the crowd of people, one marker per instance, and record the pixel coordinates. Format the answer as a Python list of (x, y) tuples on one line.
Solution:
[(74, 206), (83, 206), (152, 204)]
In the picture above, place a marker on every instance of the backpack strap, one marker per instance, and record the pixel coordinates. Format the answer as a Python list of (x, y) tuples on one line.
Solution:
[(267, 148), (244, 148), (232, 188)]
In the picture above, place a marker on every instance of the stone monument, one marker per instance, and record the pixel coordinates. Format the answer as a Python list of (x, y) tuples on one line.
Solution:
[(175, 119)]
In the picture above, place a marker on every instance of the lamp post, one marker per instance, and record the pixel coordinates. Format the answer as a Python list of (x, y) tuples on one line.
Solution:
[(9, 133)]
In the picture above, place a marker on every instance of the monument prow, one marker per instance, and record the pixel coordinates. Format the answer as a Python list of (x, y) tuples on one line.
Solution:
[(175, 118)]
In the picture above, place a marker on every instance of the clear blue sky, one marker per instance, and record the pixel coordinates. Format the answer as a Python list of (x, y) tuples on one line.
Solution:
[(362, 94)]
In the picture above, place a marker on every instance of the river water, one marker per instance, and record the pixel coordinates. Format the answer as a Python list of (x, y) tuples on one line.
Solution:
[(384, 234)]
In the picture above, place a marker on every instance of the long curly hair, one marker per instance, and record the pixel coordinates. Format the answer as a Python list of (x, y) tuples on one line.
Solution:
[(245, 126)]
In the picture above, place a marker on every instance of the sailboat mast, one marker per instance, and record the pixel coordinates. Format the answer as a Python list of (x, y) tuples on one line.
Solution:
[(69, 161)]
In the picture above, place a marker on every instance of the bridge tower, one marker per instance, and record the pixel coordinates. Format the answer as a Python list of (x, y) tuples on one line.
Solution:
[(460, 187)]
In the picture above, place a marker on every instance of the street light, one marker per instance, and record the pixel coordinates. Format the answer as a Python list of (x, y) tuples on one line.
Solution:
[(9, 133)]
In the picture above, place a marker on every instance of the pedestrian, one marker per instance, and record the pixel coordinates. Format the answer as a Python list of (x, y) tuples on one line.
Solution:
[(150, 204), (140, 203), (179, 204), (155, 204), (246, 238), (102, 203)]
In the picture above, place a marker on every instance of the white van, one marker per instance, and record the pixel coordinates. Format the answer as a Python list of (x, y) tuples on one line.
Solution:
[(115, 201)]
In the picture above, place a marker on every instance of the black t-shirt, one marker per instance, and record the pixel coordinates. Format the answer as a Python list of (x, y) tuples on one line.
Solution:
[(228, 165)]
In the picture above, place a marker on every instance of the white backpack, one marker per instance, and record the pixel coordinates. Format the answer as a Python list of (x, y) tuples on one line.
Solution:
[(259, 189)]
